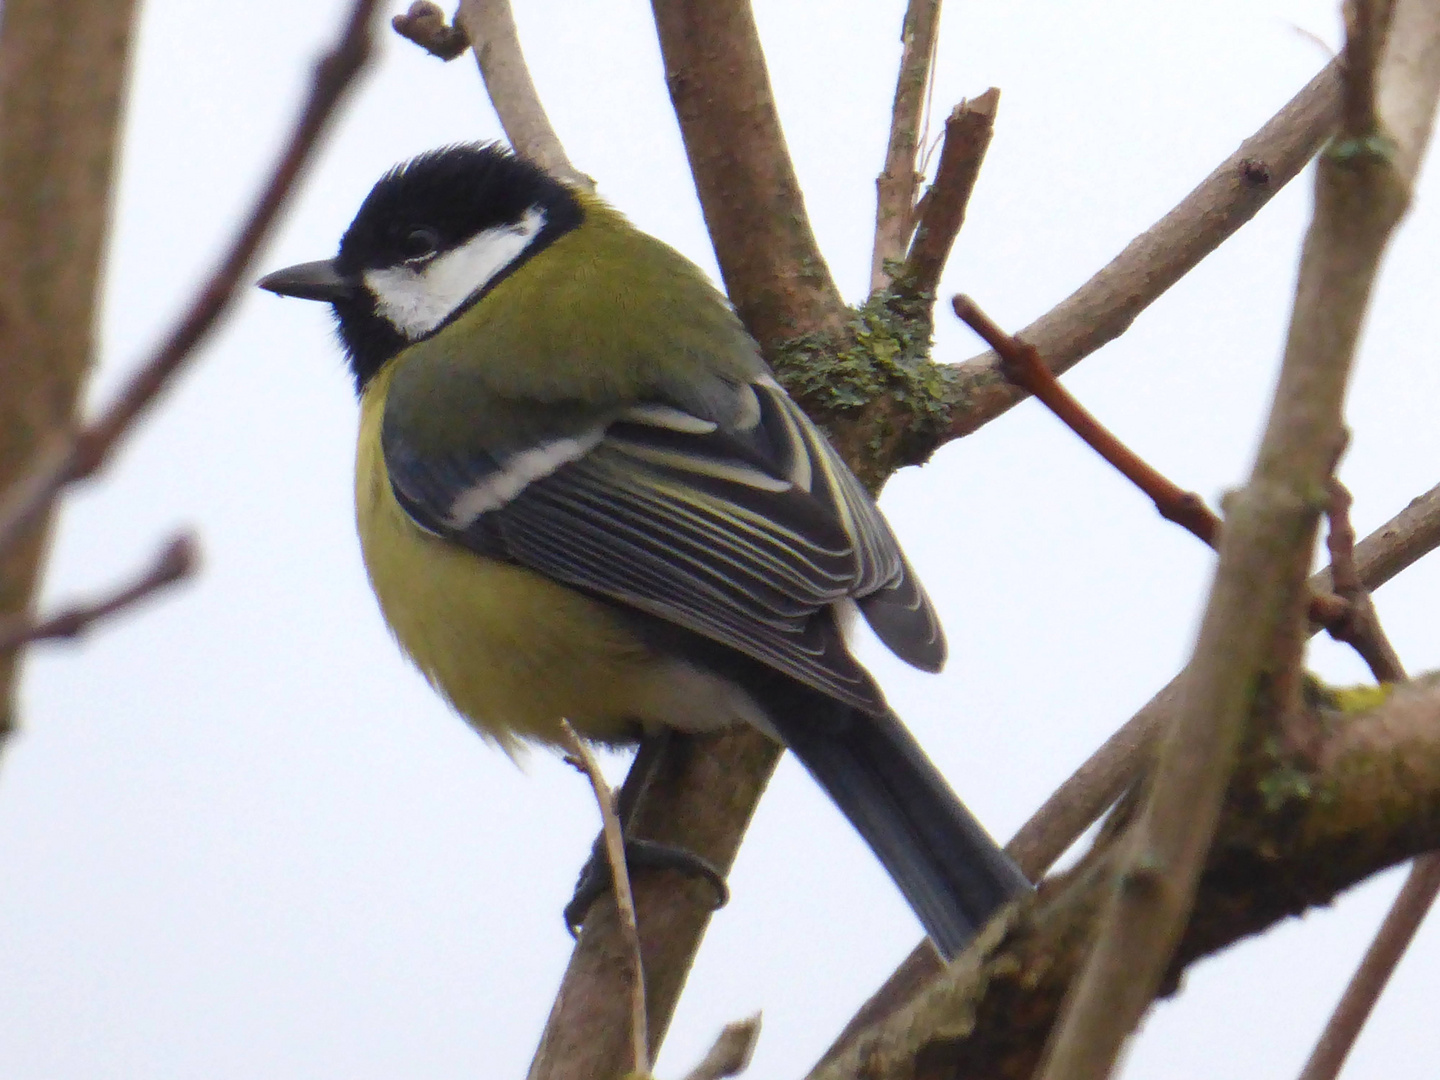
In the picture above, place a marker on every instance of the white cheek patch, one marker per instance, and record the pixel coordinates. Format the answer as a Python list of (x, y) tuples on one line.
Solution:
[(415, 300), (522, 469)]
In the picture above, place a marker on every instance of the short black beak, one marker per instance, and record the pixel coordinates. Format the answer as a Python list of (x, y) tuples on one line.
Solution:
[(312, 281)]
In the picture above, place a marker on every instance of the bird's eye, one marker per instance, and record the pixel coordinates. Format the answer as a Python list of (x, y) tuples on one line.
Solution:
[(418, 243)]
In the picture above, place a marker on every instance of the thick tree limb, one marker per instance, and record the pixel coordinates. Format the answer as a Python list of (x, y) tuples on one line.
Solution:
[(773, 270), (1081, 799), (490, 27), (63, 67), (898, 182), (1247, 658), (706, 790), (1290, 840)]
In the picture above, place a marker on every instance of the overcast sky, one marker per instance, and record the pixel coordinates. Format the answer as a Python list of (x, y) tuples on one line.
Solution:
[(240, 838)]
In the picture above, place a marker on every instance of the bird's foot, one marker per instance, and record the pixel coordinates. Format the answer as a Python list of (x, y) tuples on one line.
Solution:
[(595, 880)]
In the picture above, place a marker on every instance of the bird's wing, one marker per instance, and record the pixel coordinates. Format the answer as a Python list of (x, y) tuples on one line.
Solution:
[(743, 526)]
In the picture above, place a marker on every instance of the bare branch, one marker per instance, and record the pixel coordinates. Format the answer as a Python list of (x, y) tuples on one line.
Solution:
[(1250, 636), (1023, 365), (1104, 307), (614, 834), (63, 65), (941, 212), (730, 1056), (176, 562), (773, 270), (1081, 799), (1416, 897), (85, 454), (490, 26), (896, 186), (700, 796), (1373, 801), (1359, 624), (425, 25), (703, 791)]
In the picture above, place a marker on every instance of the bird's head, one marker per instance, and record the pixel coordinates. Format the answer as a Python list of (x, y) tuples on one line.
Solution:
[(431, 238)]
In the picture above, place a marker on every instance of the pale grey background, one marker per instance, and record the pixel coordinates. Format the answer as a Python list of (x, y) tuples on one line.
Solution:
[(240, 838)]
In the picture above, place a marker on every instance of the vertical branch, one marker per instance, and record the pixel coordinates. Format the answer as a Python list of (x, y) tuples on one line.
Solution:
[(1250, 639), (490, 26), (703, 791), (63, 66), (719, 85), (896, 186)]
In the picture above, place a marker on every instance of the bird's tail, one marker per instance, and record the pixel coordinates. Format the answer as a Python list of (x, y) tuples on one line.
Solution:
[(946, 865)]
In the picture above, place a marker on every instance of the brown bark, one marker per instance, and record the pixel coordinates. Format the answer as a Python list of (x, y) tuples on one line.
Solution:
[(63, 68)]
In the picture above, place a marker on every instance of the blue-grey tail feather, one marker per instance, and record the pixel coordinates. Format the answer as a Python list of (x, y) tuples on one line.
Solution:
[(946, 865)]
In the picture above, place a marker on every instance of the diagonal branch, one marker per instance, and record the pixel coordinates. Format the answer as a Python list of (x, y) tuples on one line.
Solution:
[(80, 457), (897, 184), (1081, 799), (1373, 800), (720, 88), (1401, 923), (941, 212), (175, 563), (490, 27), (1248, 654), (1104, 307)]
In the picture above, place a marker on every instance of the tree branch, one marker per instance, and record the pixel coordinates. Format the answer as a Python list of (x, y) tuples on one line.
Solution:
[(1081, 799), (773, 270), (941, 212), (87, 452), (490, 27), (175, 563), (1402, 922), (63, 66), (424, 24), (704, 791), (1290, 840), (1023, 365), (1104, 307), (898, 182), (1247, 658)]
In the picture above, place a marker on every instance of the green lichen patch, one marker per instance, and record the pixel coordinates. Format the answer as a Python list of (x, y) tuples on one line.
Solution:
[(872, 384)]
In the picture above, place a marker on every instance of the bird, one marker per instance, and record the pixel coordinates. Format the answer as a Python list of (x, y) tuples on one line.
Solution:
[(582, 495)]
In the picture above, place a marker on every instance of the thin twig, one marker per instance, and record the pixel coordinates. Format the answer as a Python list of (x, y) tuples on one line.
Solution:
[(941, 212), (730, 1056), (490, 27), (614, 834), (425, 25), (898, 182), (1024, 365), (1416, 898), (1104, 307), (84, 455), (1359, 625), (176, 561), (1253, 625), (1361, 629)]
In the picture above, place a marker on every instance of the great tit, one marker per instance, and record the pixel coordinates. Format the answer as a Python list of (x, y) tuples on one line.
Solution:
[(582, 494)]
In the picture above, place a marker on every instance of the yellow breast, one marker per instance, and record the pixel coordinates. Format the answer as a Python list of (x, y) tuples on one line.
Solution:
[(513, 651)]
